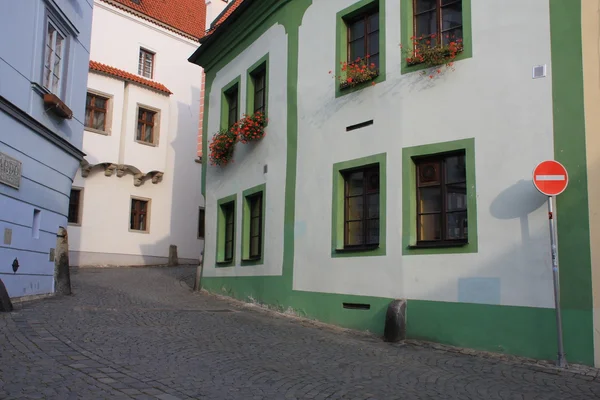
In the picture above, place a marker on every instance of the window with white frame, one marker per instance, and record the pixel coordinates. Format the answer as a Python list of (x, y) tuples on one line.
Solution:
[(146, 64), (54, 58)]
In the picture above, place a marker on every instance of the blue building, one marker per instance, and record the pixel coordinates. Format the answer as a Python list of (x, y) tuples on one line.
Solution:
[(44, 57)]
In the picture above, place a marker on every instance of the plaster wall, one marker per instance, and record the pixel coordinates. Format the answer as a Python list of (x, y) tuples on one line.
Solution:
[(247, 170), (489, 98), (176, 200), (47, 168)]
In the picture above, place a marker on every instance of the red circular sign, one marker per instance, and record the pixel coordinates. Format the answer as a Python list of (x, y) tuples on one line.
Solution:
[(550, 178)]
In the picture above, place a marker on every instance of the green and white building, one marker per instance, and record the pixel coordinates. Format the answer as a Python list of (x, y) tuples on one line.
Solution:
[(413, 188)]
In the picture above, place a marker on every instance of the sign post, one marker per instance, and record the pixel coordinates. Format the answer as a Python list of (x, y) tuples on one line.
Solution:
[(551, 179)]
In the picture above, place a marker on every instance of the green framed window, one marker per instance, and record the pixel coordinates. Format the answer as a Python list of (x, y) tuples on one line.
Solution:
[(439, 208), (360, 35), (447, 20), (253, 226), (230, 103), (359, 207), (226, 217), (257, 90)]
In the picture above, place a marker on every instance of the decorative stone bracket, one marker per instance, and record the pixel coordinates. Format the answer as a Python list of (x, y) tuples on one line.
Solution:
[(122, 169)]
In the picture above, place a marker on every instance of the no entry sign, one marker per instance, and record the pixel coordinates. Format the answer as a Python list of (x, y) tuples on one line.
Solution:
[(550, 178)]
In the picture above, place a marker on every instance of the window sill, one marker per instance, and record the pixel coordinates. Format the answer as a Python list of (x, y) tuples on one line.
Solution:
[(345, 85), (57, 106), (138, 231), (437, 245), (98, 131), (223, 264), (146, 143), (357, 249)]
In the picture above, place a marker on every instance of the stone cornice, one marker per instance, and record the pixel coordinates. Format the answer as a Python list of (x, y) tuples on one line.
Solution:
[(139, 177)]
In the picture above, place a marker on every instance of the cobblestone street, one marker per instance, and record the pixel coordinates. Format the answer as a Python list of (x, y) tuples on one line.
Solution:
[(140, 333)]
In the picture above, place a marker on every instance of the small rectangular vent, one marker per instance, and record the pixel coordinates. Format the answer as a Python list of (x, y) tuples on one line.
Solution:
[(358, 126), (356, 306)]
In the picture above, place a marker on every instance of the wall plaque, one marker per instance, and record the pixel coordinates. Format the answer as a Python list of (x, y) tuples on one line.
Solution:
[(10, 171)]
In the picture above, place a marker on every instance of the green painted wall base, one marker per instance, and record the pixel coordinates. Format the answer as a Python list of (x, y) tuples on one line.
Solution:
[(520, 331)]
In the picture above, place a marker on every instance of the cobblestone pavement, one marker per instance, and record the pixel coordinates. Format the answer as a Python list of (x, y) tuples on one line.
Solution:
[(139, 333)]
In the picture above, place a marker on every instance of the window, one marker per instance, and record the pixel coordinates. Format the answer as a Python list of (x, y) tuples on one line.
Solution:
[(95, 112), (232, 106), (226, 218), (145, 127), (75, 207), (53, 58), (255, 203), (361, 207), (360, 35), (259, 83), (442, 18), (139, 215), (146, 64), (228, 210), (201, 219), (363, 37), (253, 227), (441, 199)]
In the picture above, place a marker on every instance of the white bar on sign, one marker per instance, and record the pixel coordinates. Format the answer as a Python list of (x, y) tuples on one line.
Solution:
[(549, 177)]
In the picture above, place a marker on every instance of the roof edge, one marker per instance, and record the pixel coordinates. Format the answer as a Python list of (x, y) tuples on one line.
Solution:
[(129, 77), (207, 40)]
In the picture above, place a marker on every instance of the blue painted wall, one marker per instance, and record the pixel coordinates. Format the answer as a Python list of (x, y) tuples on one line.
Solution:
[(47, 168)]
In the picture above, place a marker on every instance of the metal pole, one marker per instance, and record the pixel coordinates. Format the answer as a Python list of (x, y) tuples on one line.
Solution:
[(562, 361)]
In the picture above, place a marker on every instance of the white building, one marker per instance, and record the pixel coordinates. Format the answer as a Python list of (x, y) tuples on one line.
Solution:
[(367, 189), (44, 57), (138, 189)]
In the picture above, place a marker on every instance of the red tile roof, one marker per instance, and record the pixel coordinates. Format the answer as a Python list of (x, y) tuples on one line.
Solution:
[(188, 16), (126, 76), (226, 13)]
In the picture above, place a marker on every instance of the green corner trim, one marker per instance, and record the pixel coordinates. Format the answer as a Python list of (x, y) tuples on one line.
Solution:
[(337, 206), (572, 205), (224, 104), (263, 62), (407, 31), (409, 197), (220, 248), (341, 47), (246, 225)]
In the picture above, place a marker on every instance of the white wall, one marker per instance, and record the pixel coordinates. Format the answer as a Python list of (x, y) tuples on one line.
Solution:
[(214, 8), (175, 200), (249, 159), (490, 97)]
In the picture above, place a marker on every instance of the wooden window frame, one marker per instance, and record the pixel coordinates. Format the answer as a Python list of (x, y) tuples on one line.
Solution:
[(94, 109), (155, 123), (233, 113), (229, 210), (365, 17), (143, 55), (50, 57), (441, 159), (258, 196), (438, 9), (135, 214), (262, 92), (79, 206), (367, 170), (201, 223)]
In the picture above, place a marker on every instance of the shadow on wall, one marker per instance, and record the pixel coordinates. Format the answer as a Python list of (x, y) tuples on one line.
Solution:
[(186, 197), (524, 330)]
